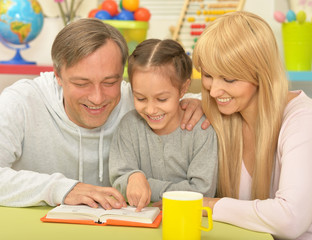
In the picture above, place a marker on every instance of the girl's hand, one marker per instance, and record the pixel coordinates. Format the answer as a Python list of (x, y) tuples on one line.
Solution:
[(138, 191)]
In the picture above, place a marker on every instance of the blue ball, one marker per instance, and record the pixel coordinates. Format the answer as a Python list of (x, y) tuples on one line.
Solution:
[(291, 16), (103, 15), (125, 15)]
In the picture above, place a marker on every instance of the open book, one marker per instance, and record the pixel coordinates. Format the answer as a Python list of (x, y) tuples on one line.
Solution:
[(148, 217)]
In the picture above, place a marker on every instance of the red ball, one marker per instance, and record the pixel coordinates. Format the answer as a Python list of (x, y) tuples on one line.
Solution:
[(142, 14), (110, 6), (93, 12)]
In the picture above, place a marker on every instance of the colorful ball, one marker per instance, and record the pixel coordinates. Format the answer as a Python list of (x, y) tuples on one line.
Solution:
[(130, 5), (125, 15), (291, 16), (93, 12), (279, 16), (142, 14), (301, 16), (120, 5), (103, 15), (110, 6)]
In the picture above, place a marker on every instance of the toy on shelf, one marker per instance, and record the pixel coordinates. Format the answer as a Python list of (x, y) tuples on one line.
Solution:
[(21, 21), (297, 39), (127, 16), (127, 10), (196, 14)]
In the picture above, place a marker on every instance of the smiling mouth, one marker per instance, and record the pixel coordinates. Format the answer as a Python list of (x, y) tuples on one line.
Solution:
[(94, 108), (156, 118), (224, 100)]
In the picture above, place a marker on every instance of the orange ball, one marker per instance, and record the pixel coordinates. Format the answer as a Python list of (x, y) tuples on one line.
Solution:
[(110, 6), (142, 14), (130, 5), (93, 12)]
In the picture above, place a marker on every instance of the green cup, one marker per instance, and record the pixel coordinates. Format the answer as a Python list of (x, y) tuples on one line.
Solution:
[(297, 40)]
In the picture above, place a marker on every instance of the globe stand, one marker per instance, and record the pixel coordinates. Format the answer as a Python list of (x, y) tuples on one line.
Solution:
[(17, 59)]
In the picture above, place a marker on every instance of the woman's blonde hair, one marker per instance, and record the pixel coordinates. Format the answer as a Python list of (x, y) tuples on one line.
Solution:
[(242, 46)]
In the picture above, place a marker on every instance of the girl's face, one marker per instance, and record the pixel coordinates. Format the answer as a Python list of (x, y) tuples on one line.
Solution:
[(231, 95), (157, 101)]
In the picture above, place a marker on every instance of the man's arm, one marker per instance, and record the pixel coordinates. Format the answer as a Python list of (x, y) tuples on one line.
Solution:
[(192, 114), (27, 188)]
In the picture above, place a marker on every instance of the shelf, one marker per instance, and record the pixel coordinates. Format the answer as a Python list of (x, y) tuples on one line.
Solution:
[(300, 76), (24, 69), (36, 70)]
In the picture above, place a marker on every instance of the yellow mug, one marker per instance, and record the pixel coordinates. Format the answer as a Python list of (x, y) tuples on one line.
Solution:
[(182, 215)]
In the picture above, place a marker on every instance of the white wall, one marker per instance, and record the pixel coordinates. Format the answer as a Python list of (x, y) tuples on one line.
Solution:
[(40, 47), (265, 9)]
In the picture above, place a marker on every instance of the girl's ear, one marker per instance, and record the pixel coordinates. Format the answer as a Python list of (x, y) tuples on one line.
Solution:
[(185, 87)]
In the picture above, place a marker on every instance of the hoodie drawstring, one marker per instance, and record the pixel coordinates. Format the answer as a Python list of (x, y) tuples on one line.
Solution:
[(80, 157), (101, 160)]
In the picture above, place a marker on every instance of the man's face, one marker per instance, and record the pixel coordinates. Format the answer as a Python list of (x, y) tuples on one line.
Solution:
[(92, 86)]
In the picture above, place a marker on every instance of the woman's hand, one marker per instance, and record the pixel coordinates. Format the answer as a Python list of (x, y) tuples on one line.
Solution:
[(209, 202), (158, 204)]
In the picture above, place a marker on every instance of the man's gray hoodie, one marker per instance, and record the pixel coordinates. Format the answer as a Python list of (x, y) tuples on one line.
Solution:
[(42, 153)]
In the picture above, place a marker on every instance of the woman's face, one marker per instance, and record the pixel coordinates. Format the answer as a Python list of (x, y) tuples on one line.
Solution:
[(231, 95)]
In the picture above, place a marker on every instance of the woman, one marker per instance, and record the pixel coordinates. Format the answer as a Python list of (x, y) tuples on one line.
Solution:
[(264, 131)]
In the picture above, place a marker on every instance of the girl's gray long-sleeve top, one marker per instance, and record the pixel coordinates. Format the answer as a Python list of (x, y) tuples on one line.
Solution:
[(183, 160)]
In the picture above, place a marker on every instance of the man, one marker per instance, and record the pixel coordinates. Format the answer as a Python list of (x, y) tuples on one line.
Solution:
[(55, 130)]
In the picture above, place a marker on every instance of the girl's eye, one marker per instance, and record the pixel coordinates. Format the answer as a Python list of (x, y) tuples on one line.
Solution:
[(140, 99), (162, 99), (206, 75)]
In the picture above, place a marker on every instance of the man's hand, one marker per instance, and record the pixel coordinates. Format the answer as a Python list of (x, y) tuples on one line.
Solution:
[(92, 195), (193, 113), (138, 191)]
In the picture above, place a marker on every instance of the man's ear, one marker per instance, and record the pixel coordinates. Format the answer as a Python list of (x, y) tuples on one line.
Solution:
[(185, 87), (59, 81)]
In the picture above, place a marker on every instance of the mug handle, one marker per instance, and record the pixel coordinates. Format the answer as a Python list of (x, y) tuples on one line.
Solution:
[(209, 216)]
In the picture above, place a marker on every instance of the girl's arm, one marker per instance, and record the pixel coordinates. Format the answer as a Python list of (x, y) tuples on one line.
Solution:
[(124, 163)]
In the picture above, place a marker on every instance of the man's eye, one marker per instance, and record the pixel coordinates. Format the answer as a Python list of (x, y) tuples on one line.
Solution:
[(80, 84), (109, 83)]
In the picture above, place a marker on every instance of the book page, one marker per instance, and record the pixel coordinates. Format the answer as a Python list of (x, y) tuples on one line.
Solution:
[(76, 212), (147, 214)]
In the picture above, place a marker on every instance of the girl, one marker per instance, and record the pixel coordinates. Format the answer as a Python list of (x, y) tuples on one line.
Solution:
[(150, 154), (264, 131)]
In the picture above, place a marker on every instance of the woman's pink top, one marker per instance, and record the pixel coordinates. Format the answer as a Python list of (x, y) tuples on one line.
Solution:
[(288, 213)]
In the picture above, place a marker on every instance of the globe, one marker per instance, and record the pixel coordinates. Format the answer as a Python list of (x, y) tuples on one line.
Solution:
[(21, 21)]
